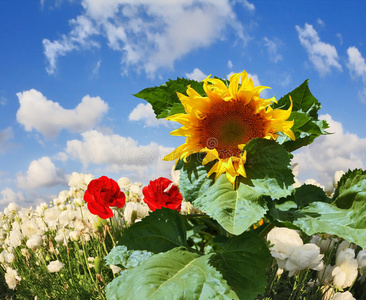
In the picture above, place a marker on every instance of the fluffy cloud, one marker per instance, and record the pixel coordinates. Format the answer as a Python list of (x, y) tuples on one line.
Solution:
[(48, 117), (196, 74), (327, 154), (145, 113), (323, 56), (5, 135), (149, 34), (356, 63), (272, 48), (7, 195), (41, 173), (117, 153)]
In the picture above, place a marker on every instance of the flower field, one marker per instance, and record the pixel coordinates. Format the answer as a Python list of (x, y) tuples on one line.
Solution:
[(233, 222)]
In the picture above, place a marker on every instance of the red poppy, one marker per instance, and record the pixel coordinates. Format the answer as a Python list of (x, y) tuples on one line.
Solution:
[(101, 194), (162, 193)]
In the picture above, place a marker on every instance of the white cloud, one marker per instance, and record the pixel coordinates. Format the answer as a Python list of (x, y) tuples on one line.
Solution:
[(7, 195), (197, 75), (5, 135), (323, 56), (49, 118), (97, 67), (149, 34), (356, 63), (230, 64), (327, 154), (41, 173), (272, 48), (145, 112), (249, 6), (116, 153)]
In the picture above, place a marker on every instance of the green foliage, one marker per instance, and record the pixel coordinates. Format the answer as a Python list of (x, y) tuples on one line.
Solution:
[(161, 231), (269, 174), (175, 274), (121, 256), (344, 217), (164, 99), (243, 261), (305, 109)]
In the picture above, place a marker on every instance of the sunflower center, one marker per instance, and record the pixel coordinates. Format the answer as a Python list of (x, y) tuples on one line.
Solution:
[(228, 125)]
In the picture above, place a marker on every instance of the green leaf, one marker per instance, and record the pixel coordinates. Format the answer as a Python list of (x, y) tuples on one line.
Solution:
[(164, 99), (305, 109), (269, 174), (308, 193), (344, 217), (351, 190), (176, 274), (193, 177), (160, 231), (120, 255), (243, 262)]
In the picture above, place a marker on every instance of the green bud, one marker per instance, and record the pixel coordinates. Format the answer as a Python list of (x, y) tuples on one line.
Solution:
[(97, 264)]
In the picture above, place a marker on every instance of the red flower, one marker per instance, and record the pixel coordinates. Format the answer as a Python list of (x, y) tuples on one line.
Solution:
[(155, 196), (101, 194)]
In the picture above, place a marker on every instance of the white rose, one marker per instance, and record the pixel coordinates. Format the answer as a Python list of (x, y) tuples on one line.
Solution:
[(55, 266), (345, 274), (135, 211), (13, 207), (34, 242), (284, 242), (324, 243), (51, 214), (11, 278), (342, 296), (29, 228), (304, 257), (124, 183), (15, 238), (115, 269), (135, 189), (361, 259)]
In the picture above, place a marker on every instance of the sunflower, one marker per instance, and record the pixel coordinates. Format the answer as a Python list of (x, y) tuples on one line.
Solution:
[(221, 123)]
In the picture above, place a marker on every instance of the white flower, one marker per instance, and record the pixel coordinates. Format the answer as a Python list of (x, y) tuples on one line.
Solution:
[(62, 236), (34, 242), (74, 235), (304, 257), (12, 207), (51, 216), (325, 244), (361, 259), (11, 278), (41, 208), (55, 266), (115, 269), (67, 218), (135, 189), (285, 240), (80, 180), (29, 228), (345, 271), (325, 274), (124, 183), (79, 202), (135, 211), (343, 296), (10, 257), (337, 176), (344, 245), (15, 238)]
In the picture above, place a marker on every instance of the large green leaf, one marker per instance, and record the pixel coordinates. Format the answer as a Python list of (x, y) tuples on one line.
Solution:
[(164, 99), (305, 109), (243, 261), (344, 217), (162, 230), (176, 274), (269, 174)]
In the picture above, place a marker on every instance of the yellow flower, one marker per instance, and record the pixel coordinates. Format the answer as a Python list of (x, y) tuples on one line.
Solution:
[(221, 123)]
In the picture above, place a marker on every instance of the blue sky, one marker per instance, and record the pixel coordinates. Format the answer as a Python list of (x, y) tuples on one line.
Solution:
[(69, 69)]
